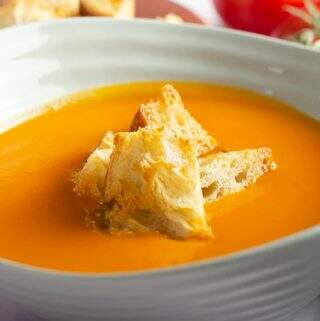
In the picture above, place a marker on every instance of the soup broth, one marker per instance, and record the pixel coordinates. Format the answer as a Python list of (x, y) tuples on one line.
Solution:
[(42, 221)]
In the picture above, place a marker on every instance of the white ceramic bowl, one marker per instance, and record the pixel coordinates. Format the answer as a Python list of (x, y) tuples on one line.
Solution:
[(44, 61)]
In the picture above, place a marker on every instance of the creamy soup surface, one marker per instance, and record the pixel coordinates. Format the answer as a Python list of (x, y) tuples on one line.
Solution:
[(42, 221)]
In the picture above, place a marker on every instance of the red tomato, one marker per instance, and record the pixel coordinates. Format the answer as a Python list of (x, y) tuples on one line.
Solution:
[(289, 27), (261, 16)]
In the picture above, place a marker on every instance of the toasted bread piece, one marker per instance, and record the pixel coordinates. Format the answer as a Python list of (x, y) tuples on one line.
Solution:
[(7, 17), (108, 8), (90, 180), (231, 172), (171, 18), (24, 11), (154, 181), (170, 112)]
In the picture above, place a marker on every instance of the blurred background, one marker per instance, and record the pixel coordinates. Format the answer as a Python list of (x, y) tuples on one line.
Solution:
[(293, 20)]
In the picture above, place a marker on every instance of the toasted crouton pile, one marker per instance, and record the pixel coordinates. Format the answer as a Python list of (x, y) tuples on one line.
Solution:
[(158, 176), (14, 12), (23, 11), (108, 8)]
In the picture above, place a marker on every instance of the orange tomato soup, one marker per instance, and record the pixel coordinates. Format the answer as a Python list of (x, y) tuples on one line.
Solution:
[(42, 221)]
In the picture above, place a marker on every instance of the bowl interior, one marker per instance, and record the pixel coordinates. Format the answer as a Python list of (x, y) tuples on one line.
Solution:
[(54, 62)]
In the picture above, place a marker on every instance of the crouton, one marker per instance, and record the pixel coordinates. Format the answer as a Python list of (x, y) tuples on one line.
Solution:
[(23, 11), (108, 8), (154, 181), (171, 18), (231, 172), (7, 17), (90, 180), (170, 112), (156, 177)]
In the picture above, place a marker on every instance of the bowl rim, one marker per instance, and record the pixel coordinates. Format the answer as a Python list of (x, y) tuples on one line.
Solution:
[(159, 24), (267, 247)]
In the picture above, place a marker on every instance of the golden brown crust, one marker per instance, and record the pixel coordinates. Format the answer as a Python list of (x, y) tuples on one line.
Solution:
[(170, 112), (24, 11), (171, 18), (154, 180), (7, 17), (227, 173), (90, 180), (108, 8), (139, 120)]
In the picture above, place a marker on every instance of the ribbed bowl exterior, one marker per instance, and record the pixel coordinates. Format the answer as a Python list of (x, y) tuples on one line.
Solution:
[(44, 61)]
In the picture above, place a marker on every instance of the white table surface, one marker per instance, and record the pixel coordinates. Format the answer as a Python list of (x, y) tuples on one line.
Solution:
[(10, 311)]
